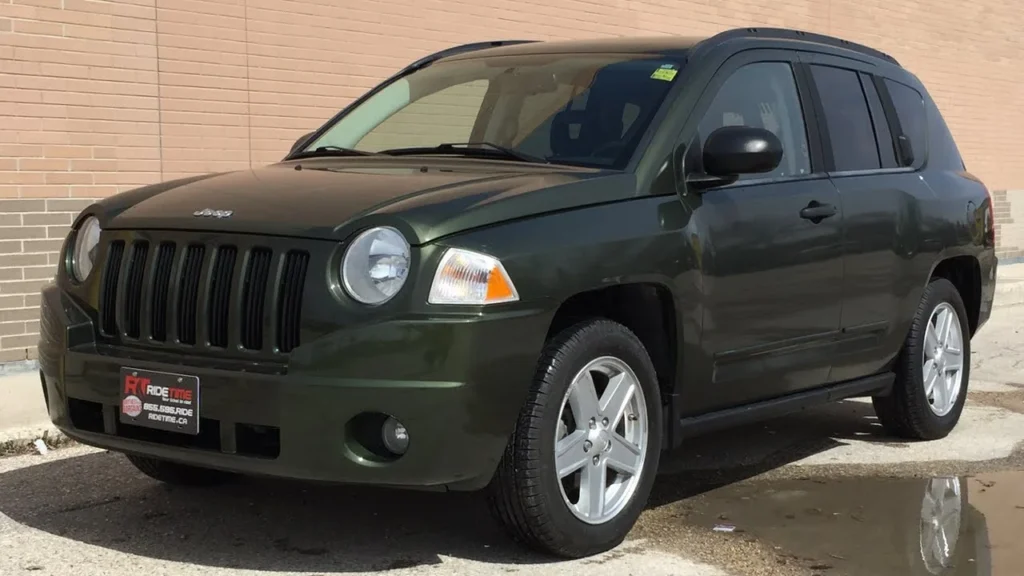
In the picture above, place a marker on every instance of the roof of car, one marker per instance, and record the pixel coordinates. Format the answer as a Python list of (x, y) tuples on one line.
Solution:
[(667, 45), (627, 45)]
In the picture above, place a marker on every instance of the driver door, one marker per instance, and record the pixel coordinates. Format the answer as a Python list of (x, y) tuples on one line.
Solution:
[(772, 278)]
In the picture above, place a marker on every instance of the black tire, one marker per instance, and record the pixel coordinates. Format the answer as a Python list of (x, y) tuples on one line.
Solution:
[(177, 474), (905, 412), (525, 495)]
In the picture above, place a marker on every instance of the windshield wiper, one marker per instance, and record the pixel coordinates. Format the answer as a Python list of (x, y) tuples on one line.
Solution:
[(484, 149), (331, 151)]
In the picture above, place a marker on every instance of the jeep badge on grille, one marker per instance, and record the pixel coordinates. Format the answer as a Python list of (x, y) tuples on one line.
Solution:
[(209, 213)]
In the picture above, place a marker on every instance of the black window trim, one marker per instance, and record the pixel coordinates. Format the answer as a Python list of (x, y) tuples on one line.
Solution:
[(808, 105), (879, 118), (895, 126), (824, 141)]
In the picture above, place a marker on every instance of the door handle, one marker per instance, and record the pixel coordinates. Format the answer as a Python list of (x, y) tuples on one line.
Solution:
[(816, 211)]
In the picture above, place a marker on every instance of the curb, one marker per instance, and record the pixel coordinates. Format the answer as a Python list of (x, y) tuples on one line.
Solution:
[(18, 367), (22, 441)]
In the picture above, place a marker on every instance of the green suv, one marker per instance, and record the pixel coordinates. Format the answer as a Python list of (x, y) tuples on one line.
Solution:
[(531, 269)]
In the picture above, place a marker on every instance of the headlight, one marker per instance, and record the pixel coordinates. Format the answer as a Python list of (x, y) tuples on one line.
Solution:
[(465, 277), (83, 256), (376, 265)]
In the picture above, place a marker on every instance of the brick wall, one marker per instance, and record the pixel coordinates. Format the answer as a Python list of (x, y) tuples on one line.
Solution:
[(101, 96), (1009, 218)]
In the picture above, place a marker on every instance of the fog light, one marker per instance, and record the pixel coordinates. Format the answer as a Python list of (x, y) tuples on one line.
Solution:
[(395, 436)]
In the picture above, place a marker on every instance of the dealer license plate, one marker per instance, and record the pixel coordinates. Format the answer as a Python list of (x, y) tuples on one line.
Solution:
[(160, 400)]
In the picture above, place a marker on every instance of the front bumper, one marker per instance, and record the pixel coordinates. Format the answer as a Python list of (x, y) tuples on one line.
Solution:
[(456, 384)]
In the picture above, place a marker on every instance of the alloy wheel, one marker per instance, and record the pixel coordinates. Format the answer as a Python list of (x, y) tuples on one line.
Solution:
[(602, 439), (943, 359)]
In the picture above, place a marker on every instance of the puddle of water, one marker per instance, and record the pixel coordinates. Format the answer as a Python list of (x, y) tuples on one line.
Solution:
[(942, 526)]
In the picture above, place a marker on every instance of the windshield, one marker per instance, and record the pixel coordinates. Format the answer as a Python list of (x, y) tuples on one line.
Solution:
[(580, 109)]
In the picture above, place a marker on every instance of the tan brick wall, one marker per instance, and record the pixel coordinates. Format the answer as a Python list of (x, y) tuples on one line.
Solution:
[(1009, 224), (99, 96)]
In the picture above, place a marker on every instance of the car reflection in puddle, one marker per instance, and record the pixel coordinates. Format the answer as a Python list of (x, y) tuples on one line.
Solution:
[(949, 526)]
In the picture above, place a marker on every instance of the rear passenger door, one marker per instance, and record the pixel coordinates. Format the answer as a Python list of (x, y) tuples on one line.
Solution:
[(880, 196), (770, 257)]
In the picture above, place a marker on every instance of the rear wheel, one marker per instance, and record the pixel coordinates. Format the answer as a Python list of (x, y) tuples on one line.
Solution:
[(933, 369), (579, 467), (177, 474)]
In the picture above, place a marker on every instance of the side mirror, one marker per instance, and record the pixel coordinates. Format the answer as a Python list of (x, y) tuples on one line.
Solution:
[(302, 141), (735, 150)]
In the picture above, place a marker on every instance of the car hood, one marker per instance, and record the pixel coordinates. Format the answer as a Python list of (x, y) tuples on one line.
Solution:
[(331, 199)]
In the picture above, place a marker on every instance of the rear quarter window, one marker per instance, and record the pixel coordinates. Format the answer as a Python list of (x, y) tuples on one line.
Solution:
[(910, 109)]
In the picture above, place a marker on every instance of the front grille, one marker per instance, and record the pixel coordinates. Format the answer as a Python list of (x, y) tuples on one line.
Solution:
[(108, 299), (220, 295), (254, 296), (290, 303), (161, 290), (193, 295), (188, 299), (133, 289)]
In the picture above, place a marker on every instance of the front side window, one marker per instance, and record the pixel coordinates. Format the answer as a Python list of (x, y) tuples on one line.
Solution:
[(579, 109), (763, 95)]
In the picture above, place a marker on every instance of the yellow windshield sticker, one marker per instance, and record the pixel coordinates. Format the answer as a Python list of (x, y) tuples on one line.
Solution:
[(664, 73)]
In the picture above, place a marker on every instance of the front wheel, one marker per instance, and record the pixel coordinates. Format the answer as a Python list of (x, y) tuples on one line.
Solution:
[(579, 467)]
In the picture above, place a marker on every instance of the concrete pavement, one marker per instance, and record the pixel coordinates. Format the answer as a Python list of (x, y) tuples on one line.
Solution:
[(1010, 285)]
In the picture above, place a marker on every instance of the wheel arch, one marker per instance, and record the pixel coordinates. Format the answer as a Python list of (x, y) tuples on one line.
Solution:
[(964, 272), (645, 308)]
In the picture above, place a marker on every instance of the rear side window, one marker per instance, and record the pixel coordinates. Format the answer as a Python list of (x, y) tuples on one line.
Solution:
[(909, 105), (847, 119)]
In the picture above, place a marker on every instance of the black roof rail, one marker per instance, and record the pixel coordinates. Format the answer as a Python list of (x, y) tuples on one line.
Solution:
[(461, 49), (791, 34)]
